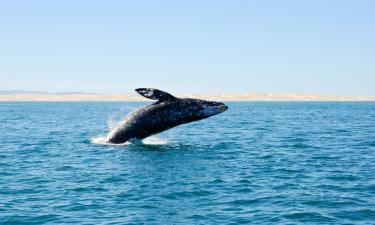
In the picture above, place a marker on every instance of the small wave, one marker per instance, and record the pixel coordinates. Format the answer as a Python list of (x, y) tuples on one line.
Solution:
[(102, 140), (155, 141)]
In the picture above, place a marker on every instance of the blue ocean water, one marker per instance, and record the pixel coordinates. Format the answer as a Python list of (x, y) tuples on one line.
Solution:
[(258, 163)]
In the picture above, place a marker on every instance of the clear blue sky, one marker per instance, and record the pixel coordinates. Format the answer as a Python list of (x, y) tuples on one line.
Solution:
[(323, 47)]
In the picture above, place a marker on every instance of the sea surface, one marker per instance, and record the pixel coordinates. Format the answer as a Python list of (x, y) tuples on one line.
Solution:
[(257, 163)]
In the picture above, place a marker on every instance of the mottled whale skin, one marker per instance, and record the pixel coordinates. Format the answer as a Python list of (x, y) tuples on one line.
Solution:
[(166, 113)]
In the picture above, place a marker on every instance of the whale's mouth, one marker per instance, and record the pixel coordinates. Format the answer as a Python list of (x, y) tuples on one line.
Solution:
[(214, 109), (220, 107), (223, 108)]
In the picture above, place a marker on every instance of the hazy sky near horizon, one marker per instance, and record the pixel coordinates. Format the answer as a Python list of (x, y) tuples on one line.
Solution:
[(322, 47)]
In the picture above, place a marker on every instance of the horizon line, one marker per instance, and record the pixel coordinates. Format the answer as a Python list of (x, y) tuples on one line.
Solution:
[(19, 95), (25, 92)]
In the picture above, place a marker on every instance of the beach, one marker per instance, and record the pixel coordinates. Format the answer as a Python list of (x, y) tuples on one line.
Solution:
[(218, 97)]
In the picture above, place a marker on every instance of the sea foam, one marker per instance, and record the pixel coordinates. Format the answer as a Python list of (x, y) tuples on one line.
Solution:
[(102, 140)]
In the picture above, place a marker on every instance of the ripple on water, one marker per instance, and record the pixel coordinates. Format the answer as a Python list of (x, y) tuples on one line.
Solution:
[(186, 194), (41, 219), (356, 215), (309, 217)]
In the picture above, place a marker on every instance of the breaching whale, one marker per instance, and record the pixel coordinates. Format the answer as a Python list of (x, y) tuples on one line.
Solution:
[(166, 113)]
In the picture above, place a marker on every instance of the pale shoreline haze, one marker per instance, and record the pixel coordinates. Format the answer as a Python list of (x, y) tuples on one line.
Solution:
[(132, 97)]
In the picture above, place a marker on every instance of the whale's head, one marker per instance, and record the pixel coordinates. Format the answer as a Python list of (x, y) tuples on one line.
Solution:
[(197, 109), (209, 108)]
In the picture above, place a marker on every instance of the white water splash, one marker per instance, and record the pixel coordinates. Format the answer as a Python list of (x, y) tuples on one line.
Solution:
[(155, 141), (112, 122), (102, 140), (117, 118)]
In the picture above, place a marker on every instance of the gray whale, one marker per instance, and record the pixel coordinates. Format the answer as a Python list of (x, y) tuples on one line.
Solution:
[(166, 113)]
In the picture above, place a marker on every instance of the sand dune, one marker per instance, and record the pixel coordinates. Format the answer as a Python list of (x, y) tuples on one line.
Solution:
[(219, 97)]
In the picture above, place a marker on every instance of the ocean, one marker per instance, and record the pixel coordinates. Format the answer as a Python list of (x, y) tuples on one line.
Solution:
[(257, 163)]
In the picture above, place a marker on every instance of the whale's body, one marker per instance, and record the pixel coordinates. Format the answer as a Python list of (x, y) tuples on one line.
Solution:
[(166, 113)]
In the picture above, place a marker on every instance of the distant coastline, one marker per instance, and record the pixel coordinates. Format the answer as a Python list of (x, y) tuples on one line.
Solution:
[(82, 96)]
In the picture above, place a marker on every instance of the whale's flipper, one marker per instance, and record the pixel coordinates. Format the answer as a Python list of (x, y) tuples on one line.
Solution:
[(155, 94)]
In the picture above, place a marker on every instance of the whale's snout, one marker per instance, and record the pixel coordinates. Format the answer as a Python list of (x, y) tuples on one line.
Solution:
[(219, 106), (223, 108), (213, 108)]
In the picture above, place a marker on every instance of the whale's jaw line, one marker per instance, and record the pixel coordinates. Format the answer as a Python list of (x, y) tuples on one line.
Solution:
[(223, 108)]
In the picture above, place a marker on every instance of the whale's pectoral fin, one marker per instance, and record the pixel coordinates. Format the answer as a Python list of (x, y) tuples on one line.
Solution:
[(155, 94)]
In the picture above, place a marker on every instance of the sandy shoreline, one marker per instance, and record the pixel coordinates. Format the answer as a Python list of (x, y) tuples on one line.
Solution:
[(221, 97)]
